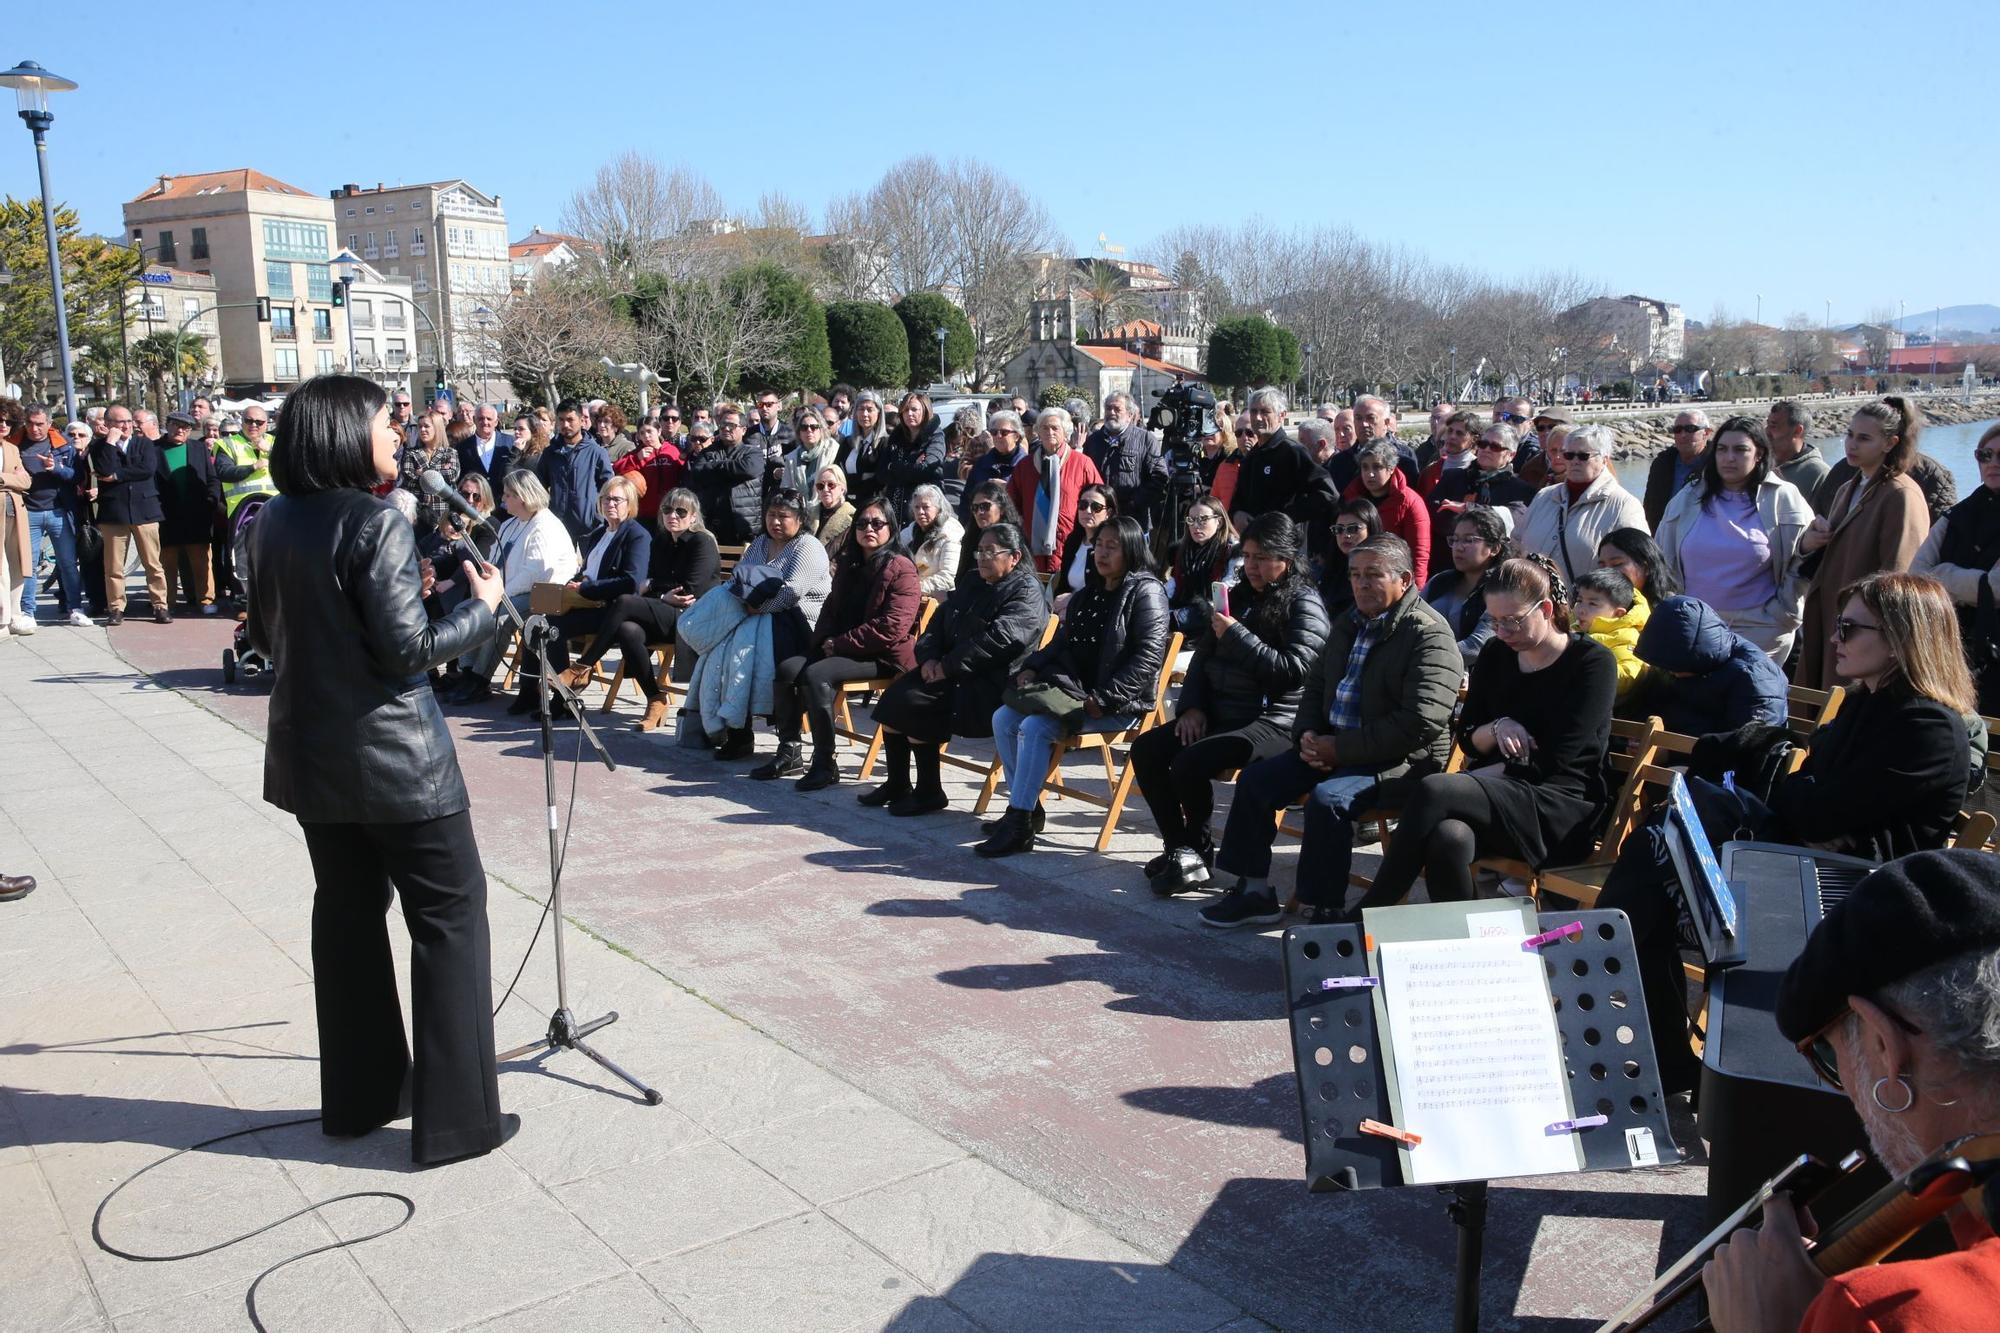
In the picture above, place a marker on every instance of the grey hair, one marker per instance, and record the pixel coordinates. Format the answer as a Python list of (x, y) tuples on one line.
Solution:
[(971, 418), (1395, 553), (1597, 437), (1378, 400), (1079, 412), (1268, 397), (526, 487), (1957, 1003), (1120, 396), (1049, 413), (1377, 451), (1795, 412), (1005, 536), (1700, 417), (1313, 430), (934, 495), (1004, 417), (1508, 435)]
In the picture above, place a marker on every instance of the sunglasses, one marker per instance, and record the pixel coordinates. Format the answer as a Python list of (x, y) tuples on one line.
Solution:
[(871, 524), (1986, 455), (1004, 434), (1350, 530), (1819, 1051), (984, 507), (1494, 445), (1511, 418), (681, 513), (1685, 430), (1845, 629), (810, 428), (1095, 507), (1578, 455)]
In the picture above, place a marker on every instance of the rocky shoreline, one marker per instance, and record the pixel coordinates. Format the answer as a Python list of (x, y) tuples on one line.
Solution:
[(1646, 435)]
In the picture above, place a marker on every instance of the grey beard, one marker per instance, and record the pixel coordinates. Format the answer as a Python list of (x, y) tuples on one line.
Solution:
[(1890, 1135)]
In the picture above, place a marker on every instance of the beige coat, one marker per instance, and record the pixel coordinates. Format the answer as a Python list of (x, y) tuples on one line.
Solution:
[(1884, 532), (1784, 512), (14, 487), (1570, 534)]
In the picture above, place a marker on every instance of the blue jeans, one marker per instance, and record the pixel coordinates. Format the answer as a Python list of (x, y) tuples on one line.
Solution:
[(1026, 741), (1327, 856), (60, 527)]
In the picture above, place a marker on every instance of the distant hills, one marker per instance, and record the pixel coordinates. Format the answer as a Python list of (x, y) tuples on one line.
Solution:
[(1980, 320)]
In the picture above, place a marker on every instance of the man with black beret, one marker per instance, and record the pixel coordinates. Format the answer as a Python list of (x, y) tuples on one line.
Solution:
[(1896, 1001)]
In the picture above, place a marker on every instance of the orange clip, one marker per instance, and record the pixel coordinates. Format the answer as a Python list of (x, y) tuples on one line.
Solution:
[(1402, 1136)]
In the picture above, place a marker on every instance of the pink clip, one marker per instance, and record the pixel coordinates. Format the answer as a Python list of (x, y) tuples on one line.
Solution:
[(1556, 936)]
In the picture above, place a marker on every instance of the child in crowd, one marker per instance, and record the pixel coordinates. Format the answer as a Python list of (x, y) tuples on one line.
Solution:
[(1610, 610)]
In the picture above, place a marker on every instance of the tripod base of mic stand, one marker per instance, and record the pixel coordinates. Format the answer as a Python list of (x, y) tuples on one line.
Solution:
[(566, 1034)]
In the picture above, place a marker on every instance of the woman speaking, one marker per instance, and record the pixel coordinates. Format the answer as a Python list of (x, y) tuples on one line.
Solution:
[(357, 751)]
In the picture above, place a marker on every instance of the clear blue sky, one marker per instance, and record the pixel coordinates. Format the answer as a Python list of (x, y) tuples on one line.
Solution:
[(1697, 153)]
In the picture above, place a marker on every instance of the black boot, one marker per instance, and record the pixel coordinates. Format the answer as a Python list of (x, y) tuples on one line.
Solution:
[(1014, 834), (737, 743), (527, 697), (825, 770), (895, 771), (1039, 820), (928, 795), (788, 762)]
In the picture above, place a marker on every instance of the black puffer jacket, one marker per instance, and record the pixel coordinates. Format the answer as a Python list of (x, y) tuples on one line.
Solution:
[(730, 484), (982, 635), (355, 735), (906, 463), (1125, 676), (1259, 668)]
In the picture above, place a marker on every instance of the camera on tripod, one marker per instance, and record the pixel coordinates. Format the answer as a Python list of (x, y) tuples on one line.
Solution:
[(1184, 415)]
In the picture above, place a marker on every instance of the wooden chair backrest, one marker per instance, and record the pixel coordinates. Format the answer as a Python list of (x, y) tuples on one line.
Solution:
[(1807, 710), (730, 555), (1972, 829), (1992, 742)]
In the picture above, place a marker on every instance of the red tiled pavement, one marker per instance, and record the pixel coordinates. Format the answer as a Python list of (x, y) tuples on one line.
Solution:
[(1096, 1044)]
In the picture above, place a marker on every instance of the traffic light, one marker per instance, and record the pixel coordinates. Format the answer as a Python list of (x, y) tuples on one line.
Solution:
[(439, 389), (263, 310), (339, 295)]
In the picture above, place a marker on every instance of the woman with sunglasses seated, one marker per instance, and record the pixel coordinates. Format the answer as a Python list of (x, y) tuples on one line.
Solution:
[(684, 564), (1354, 522), (988, 506), (1101, 673), (1535, 727), (1886, 777), (1963, 553), (615, 556), (864, 631), (1096, 505)]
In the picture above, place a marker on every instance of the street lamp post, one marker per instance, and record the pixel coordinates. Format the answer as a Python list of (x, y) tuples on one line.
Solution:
[(32, 85), (346, 269), (940, 338)]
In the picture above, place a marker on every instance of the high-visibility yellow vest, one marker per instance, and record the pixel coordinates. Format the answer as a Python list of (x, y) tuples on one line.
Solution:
[(243, 453)]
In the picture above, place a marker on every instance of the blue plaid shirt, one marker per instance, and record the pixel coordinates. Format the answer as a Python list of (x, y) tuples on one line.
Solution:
[(1345, 714)]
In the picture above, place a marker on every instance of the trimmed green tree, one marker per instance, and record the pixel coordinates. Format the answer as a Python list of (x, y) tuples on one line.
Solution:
[(805, 361), (1247, 350), (923, 314), (868, 344)]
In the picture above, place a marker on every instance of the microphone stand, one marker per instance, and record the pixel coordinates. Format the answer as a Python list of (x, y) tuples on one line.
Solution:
[(564, 1032)]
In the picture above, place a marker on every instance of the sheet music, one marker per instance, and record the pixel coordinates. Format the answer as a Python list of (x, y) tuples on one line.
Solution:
[(1478, 1062)]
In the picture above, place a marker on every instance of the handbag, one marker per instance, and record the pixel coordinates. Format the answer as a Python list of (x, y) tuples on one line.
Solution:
[(1044, 699)]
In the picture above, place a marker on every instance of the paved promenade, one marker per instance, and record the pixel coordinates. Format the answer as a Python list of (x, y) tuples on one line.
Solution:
[(905, 1088)]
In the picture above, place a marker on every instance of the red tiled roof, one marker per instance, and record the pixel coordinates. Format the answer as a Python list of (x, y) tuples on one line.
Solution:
[(1122, 359), (538, 242), (1138, 328), (240, 181)]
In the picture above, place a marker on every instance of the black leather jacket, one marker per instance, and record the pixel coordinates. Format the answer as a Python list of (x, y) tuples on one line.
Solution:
[(355, 735), (1258, 669), (1125, 677)]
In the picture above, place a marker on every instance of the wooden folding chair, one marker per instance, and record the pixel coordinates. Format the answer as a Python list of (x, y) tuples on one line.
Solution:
[(945, 756), (1807, 710), (1117, 776), (843, 715)]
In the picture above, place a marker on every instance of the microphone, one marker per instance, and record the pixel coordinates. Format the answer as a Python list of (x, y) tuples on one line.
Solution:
[(434, 484)]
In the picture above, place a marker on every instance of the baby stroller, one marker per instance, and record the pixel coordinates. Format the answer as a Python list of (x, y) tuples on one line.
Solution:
[(240, 656)]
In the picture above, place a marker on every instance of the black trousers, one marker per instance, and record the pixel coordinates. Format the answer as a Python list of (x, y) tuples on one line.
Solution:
[(1447, 822), (367, 1076), (1177, 781), (918, 708), (632, 624), (806, 685), (581, 622)]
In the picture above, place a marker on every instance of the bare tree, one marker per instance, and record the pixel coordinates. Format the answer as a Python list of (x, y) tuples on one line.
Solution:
[(703, 332), (909, 213), (997, 233), (552, 328), (853, 261), (778, 211), (640, 215)]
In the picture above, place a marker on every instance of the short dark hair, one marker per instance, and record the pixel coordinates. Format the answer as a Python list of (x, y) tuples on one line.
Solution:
[(1753, 430), (1638, 546), (570, 405), (1796, 413), (329, 438), (1609, 584)]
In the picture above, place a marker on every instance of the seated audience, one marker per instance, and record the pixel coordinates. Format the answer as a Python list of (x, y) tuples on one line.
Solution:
[(1275, 472), (864, 631), (815, 448), (1095, 506), (1045, 486), (1535, 727), (1354, 522), (1379, 479), (1732, 537), (1203, 557), (1963, 553), (976, 643), (832, 512), (784, 575), (986, 504), (727, 472), (1374, 717), (1100, 674), (684, 564), (1705, 677), (1634, 553), (1488, 478), (1567, 523), (1238, 702), (1477, 545), (1876, 521), (1457, 450), (932, 539), (1611, 611), (1221, 459), (535, 547), (615, 556)]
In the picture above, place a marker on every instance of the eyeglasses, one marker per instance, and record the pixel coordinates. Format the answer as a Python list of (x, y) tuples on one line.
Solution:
[(1467, 541), (1515, 624), (1201, 518), (1818, 1049), (679, 512), (1845, 629), (1495, 445), (1350, 530), (871, 523), (989, 553), (1579, 455), (1094, 507), (1511, 418), (1685, 430), (614, 499), (1986, 455), (985, 507)]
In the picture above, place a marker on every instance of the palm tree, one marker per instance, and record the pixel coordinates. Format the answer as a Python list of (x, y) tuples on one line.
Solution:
[(1102, 288), (162, 356)]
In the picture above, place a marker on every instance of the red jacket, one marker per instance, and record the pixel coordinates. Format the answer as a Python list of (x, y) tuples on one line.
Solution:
[(1405, 514), (661, 475), (871, 612), (1949, 1291), (1077, 472)]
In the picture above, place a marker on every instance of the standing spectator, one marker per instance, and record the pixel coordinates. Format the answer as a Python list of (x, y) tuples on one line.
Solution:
[(1794, 456), (814, 447), (1934, 479), (840, 411), (1374, 420), (867, 443), (658, 465), (727, 472), (1733, 538), (1374, 718), (1381, 480), (1047, 485), (189, 495), (52, 503), (932, 540), (1567, 522), (533, 439), (574, 468), (1128, 458), (832, 512), (147, 425), (17, 568), (1006, 441), (609, 428), (1673, 469), (1876, 524), (671, 429), (433, 451), (1962, 552), (488, 451), (400, 408), (128, 509), (1545, 466), (1221, 459), (1345, 434), (1519, 413), (1455, 452), (1238, 703), (1316, 438), (1489, 479), (1433, 445), (1276, 473), (914, 454), (767, 429)]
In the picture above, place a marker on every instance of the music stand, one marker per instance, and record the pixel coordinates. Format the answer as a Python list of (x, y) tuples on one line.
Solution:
[(1342, 1052)]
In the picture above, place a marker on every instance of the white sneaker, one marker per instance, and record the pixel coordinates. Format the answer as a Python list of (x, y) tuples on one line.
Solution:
[(80, 620), (21, 628)]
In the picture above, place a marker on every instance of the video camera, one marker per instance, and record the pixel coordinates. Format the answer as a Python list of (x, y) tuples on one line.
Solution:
[(1183, 415)]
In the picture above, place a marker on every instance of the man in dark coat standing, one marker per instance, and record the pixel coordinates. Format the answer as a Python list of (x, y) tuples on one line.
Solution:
[(1128, 459), (1277, 473), (128, 509), (573, 467), (190, 493), (488, 451)]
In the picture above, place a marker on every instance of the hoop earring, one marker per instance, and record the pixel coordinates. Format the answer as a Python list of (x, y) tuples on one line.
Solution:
[(1909, 1095)]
